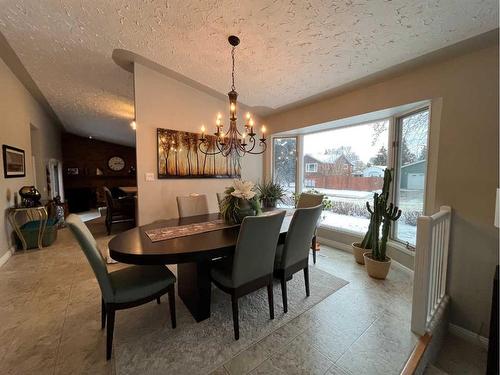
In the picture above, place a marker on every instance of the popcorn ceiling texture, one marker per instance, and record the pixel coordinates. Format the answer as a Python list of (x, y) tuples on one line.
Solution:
[(290, 50)]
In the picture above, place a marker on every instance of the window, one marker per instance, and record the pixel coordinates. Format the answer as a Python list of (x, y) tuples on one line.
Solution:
[(285, 166), (311, 167), (347, 165), (345, 155), (411, 166)]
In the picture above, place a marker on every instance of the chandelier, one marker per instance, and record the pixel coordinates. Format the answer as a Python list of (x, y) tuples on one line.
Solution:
[(233, 143)]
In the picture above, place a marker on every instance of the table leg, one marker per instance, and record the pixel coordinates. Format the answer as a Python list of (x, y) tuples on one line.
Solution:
[(194, 288), (17, 229)]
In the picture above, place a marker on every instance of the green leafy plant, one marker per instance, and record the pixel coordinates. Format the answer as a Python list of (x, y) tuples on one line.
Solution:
[(270, 193), (240, 200), (381, 213)]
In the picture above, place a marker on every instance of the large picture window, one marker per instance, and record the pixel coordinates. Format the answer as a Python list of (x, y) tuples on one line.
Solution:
[(347, 165), (350, 164)]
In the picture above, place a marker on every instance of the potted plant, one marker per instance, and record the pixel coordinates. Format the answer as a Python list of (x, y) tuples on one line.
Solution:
[(240, 200), (270, 193), (377, 263)]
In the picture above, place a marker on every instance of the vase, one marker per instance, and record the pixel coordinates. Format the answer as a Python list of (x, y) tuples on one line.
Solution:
[(245, 209), (269, 203), (376, 268), (358, 252)]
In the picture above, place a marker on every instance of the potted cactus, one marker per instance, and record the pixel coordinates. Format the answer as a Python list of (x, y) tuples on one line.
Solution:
[(383, 213), (360, 248)]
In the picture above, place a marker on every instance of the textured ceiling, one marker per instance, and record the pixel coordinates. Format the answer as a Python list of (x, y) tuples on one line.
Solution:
[(290, 50)]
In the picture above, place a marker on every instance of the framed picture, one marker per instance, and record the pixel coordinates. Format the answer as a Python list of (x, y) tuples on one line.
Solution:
[(13, 162), (72, 171), (180, 157)]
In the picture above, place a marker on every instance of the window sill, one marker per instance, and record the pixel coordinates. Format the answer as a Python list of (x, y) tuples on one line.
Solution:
[(391, 243)]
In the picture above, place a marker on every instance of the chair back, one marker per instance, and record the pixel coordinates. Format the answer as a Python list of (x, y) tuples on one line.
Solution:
[(192, 205), (309, 200), (220, 198), (299, 236), (256, 247), (88, 245), (109, 198)]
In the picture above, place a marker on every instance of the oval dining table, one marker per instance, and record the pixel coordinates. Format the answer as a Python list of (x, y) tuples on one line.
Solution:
[(192, 253)]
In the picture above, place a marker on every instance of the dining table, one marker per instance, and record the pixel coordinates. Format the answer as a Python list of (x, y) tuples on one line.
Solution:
[(192, 253)]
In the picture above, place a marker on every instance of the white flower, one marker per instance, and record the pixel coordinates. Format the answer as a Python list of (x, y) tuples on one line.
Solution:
[(243, 189)]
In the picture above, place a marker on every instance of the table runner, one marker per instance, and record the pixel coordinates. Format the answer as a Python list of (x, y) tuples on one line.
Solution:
[(168, 233)]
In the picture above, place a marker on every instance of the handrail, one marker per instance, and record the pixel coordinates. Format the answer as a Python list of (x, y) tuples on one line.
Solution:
[(431, 264)]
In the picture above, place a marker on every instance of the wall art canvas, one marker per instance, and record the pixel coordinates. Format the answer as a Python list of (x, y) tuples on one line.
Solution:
[(13, 162), (180, 157)]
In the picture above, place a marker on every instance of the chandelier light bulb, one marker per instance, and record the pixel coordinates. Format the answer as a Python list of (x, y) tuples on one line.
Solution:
[(233, 107), (251, 122), (203, 128), (248, 116)]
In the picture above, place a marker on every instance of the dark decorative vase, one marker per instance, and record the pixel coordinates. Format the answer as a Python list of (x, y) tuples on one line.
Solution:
[(268, 203), (245, 210), (30, 196)]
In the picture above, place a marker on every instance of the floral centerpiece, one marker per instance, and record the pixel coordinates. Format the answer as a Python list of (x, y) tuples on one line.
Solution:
[(240, 201)]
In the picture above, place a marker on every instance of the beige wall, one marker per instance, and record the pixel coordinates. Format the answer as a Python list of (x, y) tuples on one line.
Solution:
[(162, 102), (20, 111), (466, 89)]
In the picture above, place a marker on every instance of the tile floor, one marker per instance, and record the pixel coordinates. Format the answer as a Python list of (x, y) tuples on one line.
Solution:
[(458, 356), (364, 328)]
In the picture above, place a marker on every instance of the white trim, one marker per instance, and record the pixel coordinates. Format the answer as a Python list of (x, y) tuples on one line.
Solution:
[(4, 258), (335, 244), (402, 267), (348, 248), (469, 336)]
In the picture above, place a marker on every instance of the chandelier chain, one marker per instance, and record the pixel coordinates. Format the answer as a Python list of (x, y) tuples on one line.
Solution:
[(232, 72)]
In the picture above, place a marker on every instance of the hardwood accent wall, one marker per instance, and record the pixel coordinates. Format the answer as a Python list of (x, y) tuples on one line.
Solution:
[(87, 155)]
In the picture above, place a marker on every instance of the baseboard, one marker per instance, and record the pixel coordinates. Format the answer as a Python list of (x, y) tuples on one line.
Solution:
[(467, 335), (335, 244), (4, 258), (348, 248)]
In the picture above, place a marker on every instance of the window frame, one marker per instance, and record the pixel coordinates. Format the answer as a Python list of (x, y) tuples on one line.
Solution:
[(396, 146), (311, 171)]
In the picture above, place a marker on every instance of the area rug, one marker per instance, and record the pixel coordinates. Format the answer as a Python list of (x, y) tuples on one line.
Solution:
[(145, 343)]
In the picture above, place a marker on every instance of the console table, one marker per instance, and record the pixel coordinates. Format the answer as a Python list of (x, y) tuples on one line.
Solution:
[(32, 214)]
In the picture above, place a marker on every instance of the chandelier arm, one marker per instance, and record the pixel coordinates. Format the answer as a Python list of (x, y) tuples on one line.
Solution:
[(261, 143), (207, 152)]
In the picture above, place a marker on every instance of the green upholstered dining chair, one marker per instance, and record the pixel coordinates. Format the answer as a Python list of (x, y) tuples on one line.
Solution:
[(310, 200), (125, 288), (192, 205), (293, 255), (251, 266)]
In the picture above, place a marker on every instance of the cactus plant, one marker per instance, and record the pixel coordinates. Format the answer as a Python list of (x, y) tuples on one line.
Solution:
[(381, 213)]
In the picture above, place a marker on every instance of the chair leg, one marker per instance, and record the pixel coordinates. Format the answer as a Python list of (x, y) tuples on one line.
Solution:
[(109, 333), (236, 324), (270, 299), (314, 249), (283, 293), (158, 300), (103, 314), (171, 302), (306, 279)]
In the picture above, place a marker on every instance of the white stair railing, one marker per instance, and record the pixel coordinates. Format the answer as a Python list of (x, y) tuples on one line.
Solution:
[(431, 263)]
